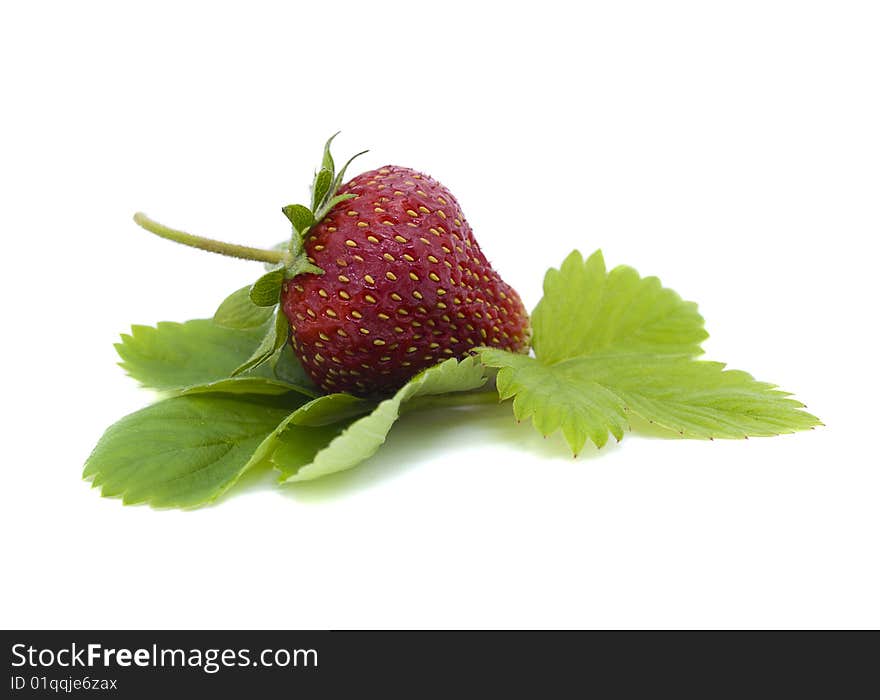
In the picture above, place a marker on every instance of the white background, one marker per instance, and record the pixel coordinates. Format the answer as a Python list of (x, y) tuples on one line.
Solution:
[(730, 148)]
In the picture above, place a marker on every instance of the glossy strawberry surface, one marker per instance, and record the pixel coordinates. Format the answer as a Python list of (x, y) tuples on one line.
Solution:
[(405, 287)]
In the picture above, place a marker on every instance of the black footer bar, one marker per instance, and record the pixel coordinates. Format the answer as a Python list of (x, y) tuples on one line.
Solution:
[(413, 664)]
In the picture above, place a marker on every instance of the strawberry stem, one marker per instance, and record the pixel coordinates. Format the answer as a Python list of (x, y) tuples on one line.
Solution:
[(229, 249)]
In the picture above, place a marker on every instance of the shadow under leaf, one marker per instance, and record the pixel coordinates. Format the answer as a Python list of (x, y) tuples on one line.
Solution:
[(423, 432), (418, 434)]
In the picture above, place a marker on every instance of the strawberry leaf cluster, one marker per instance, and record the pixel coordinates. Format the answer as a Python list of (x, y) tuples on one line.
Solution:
[(608, 346)]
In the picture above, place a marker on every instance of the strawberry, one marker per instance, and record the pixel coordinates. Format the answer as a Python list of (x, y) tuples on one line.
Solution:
[(382, 278), (405, 285)]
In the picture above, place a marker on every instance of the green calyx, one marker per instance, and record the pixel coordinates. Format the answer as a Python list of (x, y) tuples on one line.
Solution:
[(325, 186), (284, 262), (289, 258)]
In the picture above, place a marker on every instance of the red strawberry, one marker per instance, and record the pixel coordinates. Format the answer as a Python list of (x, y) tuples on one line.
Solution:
[(382, 278), (405, 287)]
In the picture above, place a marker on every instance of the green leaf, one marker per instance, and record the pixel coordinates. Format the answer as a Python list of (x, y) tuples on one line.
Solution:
[(314, 425), (238, 311), (266, 291), (172, 356), (323, 181), (248, 385), (331, 408), (184, 451), (301, 266), (323, 436), (333, 201), (275, 338), (327, 159), (337, 182), (590, 397), (177, 356), (586, 310), (300, 216), (612, 344), (699, 399), (558, 397)]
